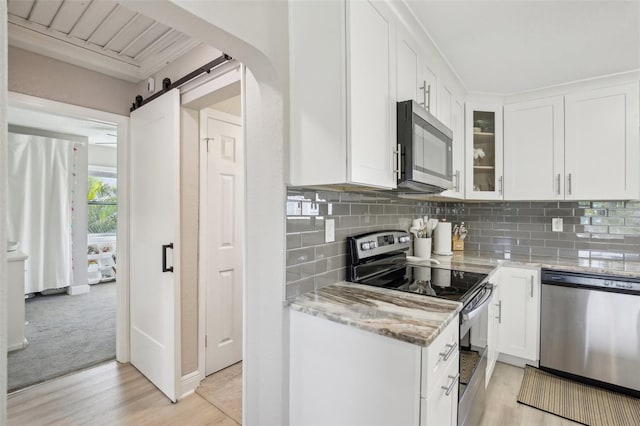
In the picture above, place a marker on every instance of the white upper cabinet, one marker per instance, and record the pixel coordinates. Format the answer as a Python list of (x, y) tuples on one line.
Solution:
[(602, 144), (343, 91), (428, 90), (457, 127), (415, 80), (534, 150), (483, 153), (370, 110), (582, 146), (407, 71)]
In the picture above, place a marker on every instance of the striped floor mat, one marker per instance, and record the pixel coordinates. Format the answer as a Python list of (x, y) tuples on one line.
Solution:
[(576, 401)]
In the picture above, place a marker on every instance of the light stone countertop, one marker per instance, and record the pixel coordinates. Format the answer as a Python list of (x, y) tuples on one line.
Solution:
[(411, 318), (474, 262), (419, 319)]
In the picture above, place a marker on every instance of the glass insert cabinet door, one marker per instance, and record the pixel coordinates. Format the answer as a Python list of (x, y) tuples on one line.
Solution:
[(484, 152)]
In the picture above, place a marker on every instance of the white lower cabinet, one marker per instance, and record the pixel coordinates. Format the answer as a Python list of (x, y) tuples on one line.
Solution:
[(440, 407), (493, 331), (341, 375), (519, 313)]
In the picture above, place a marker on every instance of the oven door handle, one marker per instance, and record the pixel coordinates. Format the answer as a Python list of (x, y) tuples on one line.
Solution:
[(467, 316)]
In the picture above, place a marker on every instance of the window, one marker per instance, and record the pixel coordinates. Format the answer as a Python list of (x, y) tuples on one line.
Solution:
[(102, 197)]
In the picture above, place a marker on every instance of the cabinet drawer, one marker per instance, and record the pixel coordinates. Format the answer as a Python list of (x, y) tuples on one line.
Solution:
[(443, 352), (441, 405)]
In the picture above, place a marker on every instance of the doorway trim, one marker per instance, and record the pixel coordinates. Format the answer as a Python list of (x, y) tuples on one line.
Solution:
[(122, 283), (191, 98)]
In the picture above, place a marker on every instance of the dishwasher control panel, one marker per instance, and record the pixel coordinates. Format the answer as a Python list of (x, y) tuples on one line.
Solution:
[(577, 279)]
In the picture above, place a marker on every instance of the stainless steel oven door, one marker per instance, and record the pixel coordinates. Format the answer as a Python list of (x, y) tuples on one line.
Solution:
[(473, 356), (475, 308)]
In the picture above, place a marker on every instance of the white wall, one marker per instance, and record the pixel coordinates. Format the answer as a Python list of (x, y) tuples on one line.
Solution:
[(231, 106), (256, 34), (3, 209)]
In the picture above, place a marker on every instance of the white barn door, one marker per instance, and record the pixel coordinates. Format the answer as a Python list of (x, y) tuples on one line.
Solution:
[(154, 241), (222, 223)]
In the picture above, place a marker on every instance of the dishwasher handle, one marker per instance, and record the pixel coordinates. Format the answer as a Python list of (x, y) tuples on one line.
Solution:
[(608, 283)]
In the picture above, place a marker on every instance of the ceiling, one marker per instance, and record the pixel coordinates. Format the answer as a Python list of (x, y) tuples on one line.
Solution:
[(512, 46), (501, 47), (101, 35), (99, 133)]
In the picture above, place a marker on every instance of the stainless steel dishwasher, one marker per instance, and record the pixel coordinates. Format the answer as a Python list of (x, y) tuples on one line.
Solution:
[(590, 327)]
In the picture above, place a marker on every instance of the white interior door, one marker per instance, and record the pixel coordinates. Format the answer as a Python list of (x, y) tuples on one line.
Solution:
[(222, 222), (154, 224)]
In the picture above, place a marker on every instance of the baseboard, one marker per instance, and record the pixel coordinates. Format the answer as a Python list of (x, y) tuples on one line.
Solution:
[(517, 361), (17, 346), (189, 383), (74, 290)]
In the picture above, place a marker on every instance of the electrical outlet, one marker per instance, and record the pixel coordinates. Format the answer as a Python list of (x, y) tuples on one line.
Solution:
[(556, 224), (329, 230)]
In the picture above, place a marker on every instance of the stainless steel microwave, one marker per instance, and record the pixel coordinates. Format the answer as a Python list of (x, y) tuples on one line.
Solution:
[(426, 155)]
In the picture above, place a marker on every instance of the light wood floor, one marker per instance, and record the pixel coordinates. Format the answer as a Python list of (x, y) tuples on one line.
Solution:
[(224, 390), (110, 394), (117, 394), (502, 408)]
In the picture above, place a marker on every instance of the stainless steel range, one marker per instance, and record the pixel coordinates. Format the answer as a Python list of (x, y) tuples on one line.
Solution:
[(379, 259)]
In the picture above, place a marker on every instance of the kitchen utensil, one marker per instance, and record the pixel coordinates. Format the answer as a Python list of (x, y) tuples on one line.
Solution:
[(463, 232), (431, 226), (417, 223), (422, 248), (417, 232)]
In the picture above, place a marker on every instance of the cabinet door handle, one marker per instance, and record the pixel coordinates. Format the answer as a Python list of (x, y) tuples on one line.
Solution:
[(454, 382), (569, 183), (500, 184), (428, 97), (531, 285), (398, 153), (500, 312), (424, 94), (166, 268), (457, 180), (558, 184), (446, 355)]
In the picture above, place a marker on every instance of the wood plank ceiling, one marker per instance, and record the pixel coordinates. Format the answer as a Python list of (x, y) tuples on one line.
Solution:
[(98, 34)]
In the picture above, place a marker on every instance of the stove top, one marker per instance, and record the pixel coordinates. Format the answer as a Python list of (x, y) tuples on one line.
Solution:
[(430, 281), (379, 259)]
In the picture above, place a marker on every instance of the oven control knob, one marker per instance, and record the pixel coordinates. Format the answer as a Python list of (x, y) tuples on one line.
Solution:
[(365, 246), (373, 244), (404, 239)]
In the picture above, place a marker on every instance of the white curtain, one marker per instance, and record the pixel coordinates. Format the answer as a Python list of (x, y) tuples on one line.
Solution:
[(39, 208)]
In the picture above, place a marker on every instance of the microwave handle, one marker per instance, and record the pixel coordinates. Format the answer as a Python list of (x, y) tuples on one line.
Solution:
[(398, 153)]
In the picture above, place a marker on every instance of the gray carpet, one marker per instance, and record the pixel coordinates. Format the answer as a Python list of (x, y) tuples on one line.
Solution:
[(65, 334)]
